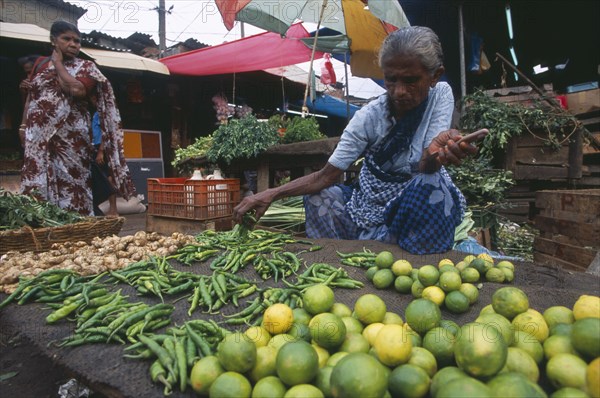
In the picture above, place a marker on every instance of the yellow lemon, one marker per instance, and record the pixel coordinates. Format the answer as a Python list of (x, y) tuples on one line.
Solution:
[(402, 267), (587, 306), (393, 345), (371, 330), (278, 318), (435, 294)]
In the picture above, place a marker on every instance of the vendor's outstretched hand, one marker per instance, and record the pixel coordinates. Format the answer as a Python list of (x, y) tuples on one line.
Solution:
[(259, 202), (449, 147)]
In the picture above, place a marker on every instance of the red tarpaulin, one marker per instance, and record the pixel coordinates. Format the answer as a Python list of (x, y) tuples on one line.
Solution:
[(258, 52)]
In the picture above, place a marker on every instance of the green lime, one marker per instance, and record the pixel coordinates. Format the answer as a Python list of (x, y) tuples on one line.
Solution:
[(370, 272), (369, 308), (428, 275), (304, 391), (480, 350), (450, 281), (318, 299), (470, 275), (384, 259), (403, 284), (456, 302), (495, 275), (297, 363), (469, 290), (327, 330), (358, 375), (383, 278), (424, 359), (269, 387), (417, 289), (440, 343), (341, 310), (408, 381), (510, 301), (230, 384), (422, 315), (444, 376), (585, 337)]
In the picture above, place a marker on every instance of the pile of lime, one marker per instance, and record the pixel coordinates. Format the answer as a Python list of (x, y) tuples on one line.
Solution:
[(327, 349), (450, 285)]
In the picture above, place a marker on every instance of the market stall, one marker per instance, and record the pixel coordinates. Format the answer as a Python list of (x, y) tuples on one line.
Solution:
[(103, 368)]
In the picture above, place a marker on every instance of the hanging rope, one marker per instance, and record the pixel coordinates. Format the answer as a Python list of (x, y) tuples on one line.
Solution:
[(312, 58)]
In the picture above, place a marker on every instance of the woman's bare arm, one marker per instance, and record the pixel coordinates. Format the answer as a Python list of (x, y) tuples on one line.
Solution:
[(68, 83), (306, 185)]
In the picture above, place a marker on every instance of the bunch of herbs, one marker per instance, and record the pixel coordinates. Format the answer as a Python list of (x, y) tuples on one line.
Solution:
[(17, 211), (243, 138), (302, 129)]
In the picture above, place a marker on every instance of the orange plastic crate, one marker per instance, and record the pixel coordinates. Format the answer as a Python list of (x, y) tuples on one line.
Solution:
[(192, 199)]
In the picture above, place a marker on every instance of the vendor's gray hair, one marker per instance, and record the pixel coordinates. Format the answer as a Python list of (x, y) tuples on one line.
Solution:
[(418, 41)]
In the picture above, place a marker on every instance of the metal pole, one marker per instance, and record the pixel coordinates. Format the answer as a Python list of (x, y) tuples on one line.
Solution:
[(461, 46), (347, 88), (312, 58), (162, 46)]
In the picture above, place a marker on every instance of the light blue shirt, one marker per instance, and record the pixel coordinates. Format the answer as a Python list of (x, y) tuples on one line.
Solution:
[(373, 122)]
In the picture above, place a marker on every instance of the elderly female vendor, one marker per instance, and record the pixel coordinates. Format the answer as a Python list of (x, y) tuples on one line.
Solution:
[(404, 194)]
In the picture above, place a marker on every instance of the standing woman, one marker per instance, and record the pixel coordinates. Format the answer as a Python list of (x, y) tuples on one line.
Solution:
[(56, 126)]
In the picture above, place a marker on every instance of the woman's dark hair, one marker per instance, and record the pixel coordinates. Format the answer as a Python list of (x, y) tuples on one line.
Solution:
[(60, 27), (28, 59)]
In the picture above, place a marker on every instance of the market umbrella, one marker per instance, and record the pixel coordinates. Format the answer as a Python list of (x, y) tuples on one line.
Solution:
[(362, 25)]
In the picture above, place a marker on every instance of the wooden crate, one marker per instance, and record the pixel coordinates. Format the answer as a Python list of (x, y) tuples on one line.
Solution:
[(569, 224), (529, 158)]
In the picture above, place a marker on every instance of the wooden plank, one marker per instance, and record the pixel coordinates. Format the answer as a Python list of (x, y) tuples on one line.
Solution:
[(587, 234), (590, 121), (539, 156), (524, 172), (581, 201), (575, 216), (576, 154), (550, 261), (510, 160), (533, 139), (574, 254), (263, 177), (589, 181)]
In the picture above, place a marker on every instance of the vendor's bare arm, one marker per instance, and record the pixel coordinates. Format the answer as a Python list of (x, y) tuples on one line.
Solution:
[(68, 83), (308, 184)]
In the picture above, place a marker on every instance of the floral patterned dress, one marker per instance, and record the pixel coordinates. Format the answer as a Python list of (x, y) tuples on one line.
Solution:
[(58, 144)]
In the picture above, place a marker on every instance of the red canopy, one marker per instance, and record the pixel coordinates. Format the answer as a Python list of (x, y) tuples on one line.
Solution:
[(258, 52)]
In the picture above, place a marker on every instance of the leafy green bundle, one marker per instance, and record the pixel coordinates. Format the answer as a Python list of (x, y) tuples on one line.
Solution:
[(243, 138), (17, 211)]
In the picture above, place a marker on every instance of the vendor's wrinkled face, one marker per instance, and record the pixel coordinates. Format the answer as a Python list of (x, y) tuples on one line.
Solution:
[(407, 82), (69, 43)]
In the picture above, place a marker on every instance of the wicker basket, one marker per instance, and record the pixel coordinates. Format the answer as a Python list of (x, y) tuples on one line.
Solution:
[(42, 239)]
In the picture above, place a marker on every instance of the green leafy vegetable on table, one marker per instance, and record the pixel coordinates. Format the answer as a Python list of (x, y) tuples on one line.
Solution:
[(17, 211)]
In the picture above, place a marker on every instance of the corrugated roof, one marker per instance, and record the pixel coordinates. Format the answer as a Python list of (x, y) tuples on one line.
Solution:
[(111, 59)]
